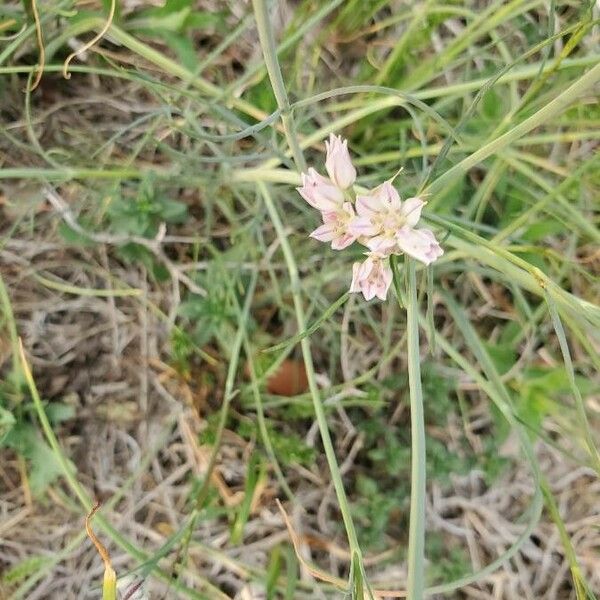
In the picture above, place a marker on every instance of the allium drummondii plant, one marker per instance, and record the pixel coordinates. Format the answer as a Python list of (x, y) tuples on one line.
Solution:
[(379, 220)]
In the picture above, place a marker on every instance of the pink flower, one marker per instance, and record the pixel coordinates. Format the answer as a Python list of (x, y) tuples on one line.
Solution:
[(372, 277), (379, 220), (418, 243), (386, 225), (320, 192), (335, 227), (338, 162)]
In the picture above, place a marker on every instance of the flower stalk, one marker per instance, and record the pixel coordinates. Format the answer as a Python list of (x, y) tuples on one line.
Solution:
[(416, 534)]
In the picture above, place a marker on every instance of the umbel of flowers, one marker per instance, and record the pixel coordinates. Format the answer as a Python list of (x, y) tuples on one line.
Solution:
[(379, 220)]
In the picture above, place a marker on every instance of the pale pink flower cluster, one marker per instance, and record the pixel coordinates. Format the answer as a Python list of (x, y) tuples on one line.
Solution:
[(378, 220)]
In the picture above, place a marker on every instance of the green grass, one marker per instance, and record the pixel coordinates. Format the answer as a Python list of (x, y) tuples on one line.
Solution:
[(170, 157)]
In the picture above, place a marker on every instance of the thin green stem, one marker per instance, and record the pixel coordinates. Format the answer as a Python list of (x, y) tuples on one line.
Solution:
[(269, 49), (416, 533), (310, 372)]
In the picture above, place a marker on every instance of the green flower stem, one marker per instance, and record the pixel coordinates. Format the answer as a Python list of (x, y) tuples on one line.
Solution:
[(416, 534), (269, 49), (336, 476)]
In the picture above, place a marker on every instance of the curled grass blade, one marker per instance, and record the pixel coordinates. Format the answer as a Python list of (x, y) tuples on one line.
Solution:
[(550, 110), (327, 313)]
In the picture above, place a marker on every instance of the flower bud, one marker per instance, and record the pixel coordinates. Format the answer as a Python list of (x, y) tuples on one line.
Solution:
[(338, 163)]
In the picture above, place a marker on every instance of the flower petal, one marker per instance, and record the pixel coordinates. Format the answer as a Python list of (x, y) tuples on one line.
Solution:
[(329, 216), (391, 195), (369, 205), (411, 209), (324, 233), (348, 208), (360, 226), (385, 281), (372, 277), (419, 243), (320, 192), (381, 243), (381, 289), (368, 290), (366, 268), (343, 241), (319, 198)]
